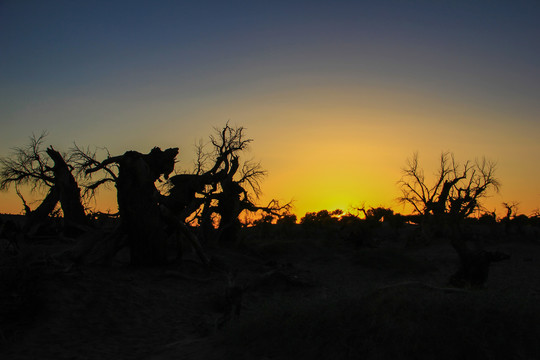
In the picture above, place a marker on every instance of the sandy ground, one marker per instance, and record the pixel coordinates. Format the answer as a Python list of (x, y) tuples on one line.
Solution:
[(181, 311)]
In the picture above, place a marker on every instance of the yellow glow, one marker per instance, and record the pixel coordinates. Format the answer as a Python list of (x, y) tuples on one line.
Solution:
[(329, 148)]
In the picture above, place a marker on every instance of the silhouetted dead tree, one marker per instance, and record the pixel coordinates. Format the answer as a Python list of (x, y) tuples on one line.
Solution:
[(219, 193), (234, 199), (229, 141), (145, 219), (182, 199), (192, 195), (230, 205), (42, 169), (455, 194), (457, 190), (68, 189), (511, 210), (138, 201), (188, 192)]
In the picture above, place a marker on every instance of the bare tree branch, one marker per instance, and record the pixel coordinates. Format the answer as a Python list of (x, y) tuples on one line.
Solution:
[(252, 173), (27, 165), (86, 164), (229, 140), (457, 188)]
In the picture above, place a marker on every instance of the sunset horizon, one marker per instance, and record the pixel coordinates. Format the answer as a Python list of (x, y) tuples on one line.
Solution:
[(336, 97), (269, 179), (105, 199)]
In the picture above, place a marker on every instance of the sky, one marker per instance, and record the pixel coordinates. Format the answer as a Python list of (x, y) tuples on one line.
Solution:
[(335, 94)]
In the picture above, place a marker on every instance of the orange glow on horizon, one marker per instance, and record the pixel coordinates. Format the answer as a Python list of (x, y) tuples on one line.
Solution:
[(326, 151), (335, 98)]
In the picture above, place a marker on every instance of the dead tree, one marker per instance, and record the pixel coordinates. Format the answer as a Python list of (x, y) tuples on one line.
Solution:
[(455, 195), (47, 169), (219, 192), (194, 194), (68, 190), (182, 199), (235, 199), (144, 212), (230, 206), (234, 187), (138, 201)]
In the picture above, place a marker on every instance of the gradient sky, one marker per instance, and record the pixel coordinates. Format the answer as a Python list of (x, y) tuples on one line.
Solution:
[(335, 94)]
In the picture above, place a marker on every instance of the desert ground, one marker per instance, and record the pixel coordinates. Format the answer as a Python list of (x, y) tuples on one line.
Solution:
[(281, 297)]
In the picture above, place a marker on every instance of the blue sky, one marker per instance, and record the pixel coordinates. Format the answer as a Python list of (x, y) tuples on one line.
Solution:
[(318, 85)]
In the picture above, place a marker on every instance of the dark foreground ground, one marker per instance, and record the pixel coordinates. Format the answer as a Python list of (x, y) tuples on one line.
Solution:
[(302, 299)]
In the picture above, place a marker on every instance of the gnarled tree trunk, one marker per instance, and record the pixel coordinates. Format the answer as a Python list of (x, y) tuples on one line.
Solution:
[(39, 216), (139, 211), (138, 203), (63, 189), (69, 193)]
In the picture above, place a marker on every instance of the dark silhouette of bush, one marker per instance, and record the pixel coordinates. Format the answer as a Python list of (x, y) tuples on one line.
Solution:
[(323, 217)]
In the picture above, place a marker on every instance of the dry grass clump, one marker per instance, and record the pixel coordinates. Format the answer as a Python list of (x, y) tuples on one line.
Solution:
[(404, 322)]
